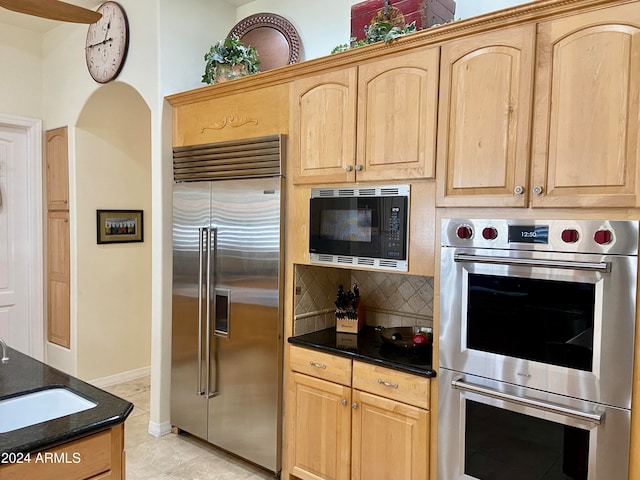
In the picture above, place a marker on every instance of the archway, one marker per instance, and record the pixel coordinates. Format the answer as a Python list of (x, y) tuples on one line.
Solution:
[(112, 170)]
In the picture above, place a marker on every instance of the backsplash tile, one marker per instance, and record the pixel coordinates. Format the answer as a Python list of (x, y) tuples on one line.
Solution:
[(390, 299)]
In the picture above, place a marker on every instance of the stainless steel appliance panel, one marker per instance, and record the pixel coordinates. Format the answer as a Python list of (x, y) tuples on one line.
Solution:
[(246, 334), (191, 214), (610, 272), (515, 440)]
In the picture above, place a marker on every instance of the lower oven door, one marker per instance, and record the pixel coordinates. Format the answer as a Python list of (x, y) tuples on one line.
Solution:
[(489, 430)]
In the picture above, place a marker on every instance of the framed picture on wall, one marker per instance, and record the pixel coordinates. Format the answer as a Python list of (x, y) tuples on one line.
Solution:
[(120, 226)]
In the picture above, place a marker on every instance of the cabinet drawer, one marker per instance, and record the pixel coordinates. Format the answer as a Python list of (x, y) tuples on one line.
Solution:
[(84, 458), (403, 387), (321, 365)]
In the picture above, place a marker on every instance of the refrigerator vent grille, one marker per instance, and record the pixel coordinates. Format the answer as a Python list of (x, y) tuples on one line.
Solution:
[(246, 158), (386, 191)]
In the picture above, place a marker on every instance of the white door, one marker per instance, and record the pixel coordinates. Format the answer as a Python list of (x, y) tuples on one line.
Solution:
[(20, 271)]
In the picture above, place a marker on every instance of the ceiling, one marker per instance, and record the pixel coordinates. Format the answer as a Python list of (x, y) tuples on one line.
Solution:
[(38, 24), (43, 25)]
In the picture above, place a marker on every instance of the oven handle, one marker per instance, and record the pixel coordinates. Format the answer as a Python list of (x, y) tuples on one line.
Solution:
[(530, 262), (528, 402)]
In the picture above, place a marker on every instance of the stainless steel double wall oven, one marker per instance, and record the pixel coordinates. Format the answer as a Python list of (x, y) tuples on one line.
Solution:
[(537, 322)]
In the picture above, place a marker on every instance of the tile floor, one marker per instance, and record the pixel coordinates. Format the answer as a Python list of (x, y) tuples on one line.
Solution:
[(173, 457)]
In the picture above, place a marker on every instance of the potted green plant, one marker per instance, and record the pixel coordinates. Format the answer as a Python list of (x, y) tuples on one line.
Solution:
[(379, 31), (229, 59)]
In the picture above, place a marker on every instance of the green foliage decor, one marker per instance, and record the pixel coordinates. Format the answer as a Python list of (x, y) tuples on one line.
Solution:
[(377, 32), (229, 51)]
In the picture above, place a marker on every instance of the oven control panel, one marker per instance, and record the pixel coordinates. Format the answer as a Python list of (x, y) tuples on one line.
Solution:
[(579, 236)]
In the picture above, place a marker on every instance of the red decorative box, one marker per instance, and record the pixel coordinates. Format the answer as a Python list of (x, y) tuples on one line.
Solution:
[(425, 13)]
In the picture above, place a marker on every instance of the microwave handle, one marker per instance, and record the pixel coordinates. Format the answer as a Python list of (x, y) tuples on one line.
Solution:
[(530, 262), (459, 384)]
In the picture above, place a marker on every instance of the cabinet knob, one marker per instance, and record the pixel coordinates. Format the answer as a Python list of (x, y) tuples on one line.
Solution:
[(358, 168), (344, 402), (354, 405), (519, 190), (537, 190), (348, 168)]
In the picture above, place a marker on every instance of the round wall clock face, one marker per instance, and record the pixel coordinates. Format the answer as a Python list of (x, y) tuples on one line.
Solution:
[(107, 43)]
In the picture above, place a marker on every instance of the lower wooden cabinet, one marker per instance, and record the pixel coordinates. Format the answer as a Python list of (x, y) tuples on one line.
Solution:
[(96, 457), (390, 440), (365, 429)]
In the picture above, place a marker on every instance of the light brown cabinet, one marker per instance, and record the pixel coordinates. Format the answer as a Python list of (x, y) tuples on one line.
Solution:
[(581, 101), (57, 160), (340, 428), (373, 122), (58, 277), (586, 151), (99, 456), (486, 84), (58, 246)]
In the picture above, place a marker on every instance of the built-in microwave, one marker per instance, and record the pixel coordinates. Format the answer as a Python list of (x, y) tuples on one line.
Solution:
[(362, 226)]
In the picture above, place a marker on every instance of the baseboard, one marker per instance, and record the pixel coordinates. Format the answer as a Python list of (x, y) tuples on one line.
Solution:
[(159, 429), (121, 377)]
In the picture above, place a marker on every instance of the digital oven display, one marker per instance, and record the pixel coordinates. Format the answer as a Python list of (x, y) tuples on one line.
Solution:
[(528, 234)]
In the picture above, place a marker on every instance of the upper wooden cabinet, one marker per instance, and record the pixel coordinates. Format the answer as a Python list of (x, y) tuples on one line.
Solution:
[(323, 127), (583, 114), (586, 151), (57, 159), (373, 122), (486, 84)]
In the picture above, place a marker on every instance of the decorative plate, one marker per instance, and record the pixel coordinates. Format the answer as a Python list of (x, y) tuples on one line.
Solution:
[(274, 37)]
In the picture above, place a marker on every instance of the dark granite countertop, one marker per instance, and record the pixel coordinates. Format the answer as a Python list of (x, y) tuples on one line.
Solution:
[(23, 374), (367, 346)]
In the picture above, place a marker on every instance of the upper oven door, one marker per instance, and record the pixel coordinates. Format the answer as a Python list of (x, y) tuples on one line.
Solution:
[(556, 322)]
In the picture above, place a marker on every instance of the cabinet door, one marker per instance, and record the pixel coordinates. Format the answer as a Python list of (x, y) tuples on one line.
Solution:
[(323, 127), (57, 169), (486, 84), (390, 439), (397, 113), (322, 429), (58, 277), (586, 146)]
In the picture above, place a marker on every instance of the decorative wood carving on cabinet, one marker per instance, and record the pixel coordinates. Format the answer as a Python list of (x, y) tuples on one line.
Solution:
[(58, 247), (254, 113)]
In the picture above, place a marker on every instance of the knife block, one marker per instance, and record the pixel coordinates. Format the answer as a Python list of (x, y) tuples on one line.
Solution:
[(349, 320)]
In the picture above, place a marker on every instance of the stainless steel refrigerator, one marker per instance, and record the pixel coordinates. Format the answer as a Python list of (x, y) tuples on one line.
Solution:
[(226, 368)]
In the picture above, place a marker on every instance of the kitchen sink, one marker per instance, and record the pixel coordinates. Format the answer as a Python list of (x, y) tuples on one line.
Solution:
[(40, 406)]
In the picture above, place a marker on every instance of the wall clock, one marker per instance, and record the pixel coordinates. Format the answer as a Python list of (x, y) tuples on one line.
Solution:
[(107, 43)]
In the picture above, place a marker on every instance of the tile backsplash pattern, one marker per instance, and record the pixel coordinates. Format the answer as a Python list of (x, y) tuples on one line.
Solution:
[(314, 307), (390, 299), (395, 300)]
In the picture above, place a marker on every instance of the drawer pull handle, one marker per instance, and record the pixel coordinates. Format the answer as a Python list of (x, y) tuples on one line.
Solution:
[(317, 365), (387, 384)]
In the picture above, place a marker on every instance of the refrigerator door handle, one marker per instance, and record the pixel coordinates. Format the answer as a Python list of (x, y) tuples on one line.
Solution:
[(212, 247), (203, 236)]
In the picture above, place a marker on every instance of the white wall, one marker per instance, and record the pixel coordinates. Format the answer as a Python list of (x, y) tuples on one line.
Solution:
[(471, 8), (321, 25), (21, 79)]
